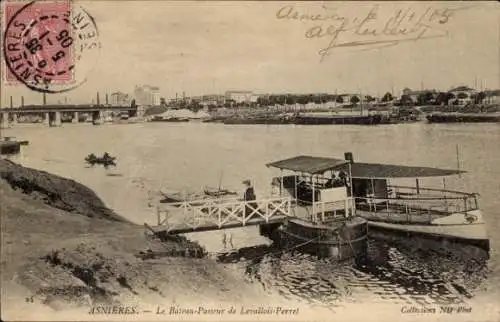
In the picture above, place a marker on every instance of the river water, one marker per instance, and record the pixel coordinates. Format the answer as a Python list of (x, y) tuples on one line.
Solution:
[(188, 156)]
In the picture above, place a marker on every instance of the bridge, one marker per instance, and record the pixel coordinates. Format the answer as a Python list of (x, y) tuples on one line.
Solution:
[(51, 114), (215, 214)]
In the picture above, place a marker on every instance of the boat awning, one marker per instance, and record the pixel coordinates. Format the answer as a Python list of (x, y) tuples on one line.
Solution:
[(385, 171), (308, 164)]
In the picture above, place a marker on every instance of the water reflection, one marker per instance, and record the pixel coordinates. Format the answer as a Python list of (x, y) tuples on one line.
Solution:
[(396, 270)]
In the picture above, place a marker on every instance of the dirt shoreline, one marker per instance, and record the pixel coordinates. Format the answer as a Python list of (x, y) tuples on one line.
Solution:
[(62, 248)]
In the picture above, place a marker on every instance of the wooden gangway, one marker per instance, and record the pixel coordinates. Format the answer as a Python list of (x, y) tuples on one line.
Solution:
[(215, 214)]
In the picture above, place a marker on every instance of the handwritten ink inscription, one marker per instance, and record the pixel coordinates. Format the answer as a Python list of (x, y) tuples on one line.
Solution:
[(371, 29)]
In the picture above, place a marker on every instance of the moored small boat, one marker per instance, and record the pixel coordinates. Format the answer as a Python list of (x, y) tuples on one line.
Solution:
[(218, 192), (175, 196), (463, 118), (168, 119), (9, 146)]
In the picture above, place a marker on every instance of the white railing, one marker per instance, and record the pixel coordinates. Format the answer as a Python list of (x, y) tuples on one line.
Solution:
[(340, 209), (431, 193), (324, 211), (221, 212), (418, 205)]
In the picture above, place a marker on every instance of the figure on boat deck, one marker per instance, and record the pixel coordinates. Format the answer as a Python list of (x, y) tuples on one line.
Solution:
[(249, 195), (339, 180)]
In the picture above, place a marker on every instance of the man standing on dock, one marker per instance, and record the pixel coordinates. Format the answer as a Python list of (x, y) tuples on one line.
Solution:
[(249, 196)]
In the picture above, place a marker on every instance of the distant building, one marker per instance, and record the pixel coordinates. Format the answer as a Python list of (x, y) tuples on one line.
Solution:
[(120, 99), (492, 96), (239, 96), (463, 94), (414, 95), (346, 98), (208, 99), (147, 95), (254, 98)]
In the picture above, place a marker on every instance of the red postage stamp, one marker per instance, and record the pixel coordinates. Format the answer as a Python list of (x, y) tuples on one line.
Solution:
[(43, 41)]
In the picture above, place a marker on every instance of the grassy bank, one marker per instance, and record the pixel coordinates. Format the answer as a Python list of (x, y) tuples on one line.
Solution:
[(63, 248)]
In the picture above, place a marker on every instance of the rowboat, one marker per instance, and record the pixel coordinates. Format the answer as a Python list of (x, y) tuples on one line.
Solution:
[(218, 192), (175, 196), (105, 160)]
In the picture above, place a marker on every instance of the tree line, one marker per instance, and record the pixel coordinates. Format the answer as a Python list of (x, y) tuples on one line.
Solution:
[(424, 98)]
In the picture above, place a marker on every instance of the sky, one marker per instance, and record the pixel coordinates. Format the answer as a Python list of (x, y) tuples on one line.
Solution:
[(210, 47)]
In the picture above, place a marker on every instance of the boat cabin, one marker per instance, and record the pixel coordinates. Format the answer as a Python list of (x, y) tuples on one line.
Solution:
[(319, 187), (373, 190)]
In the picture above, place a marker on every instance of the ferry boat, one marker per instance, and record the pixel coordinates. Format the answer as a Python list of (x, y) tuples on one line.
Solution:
[(323, 220), (413, 209), (311, 214)]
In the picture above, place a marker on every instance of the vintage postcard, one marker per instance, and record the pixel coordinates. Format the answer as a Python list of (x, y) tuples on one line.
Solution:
[(250, 161)]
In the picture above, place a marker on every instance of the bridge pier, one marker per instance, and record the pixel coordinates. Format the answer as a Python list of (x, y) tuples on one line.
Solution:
[(14, 118), (4, 120), (97, 117), (75, 117), (55, 118), (46, 118)]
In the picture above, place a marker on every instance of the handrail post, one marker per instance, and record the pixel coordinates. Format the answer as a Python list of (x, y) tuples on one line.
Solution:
[(267, 211), (158, 215), (243, 213)]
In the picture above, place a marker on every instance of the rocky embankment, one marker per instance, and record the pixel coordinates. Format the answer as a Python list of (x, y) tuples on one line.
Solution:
[(63, 248)]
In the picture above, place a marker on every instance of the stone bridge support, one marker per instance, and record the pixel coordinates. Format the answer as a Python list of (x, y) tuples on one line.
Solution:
[(4, 120), (46, 118), (74, 119), (55, 118), (97, 117), (13, 118)]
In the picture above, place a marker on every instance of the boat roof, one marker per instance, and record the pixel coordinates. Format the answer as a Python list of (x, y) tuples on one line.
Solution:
[(359, 170), (308, 164)]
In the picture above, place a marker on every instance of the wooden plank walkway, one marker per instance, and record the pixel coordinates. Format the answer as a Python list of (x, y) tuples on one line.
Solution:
[(186, 228), (217, 214)]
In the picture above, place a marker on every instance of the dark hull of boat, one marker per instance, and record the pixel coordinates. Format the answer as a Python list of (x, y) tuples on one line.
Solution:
[(10, 147), (426, 242), (168, 199), (348, 242), (172, 120), (353, 120), (462, 118), (220, 193), (269, 121), (484, 244)]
